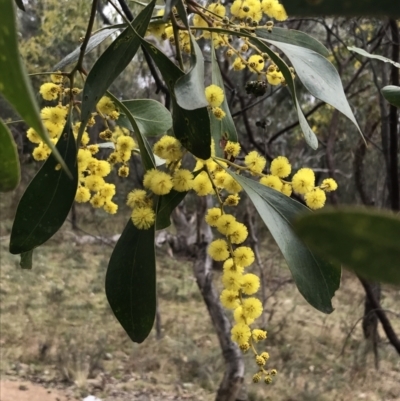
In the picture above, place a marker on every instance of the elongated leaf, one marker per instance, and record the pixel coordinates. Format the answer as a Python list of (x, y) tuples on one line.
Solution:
[(151, 117), (293, 37), (166, 205), (375, 56), (145, 149), (94, 41), (356, 8), (316, 279), (47, 201), (20, 5), (14, 81), (224, 128), (189, 89), (111, 63), (26, 260), (392, 94), (191, 127), (365, 241), (131, 281), (319, 77), (10, 173)]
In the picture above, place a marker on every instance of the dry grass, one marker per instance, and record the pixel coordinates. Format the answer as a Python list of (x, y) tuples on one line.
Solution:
[(56, 325)]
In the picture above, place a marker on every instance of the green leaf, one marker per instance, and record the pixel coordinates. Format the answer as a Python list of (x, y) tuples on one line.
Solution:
[(47, 201), (10, 173), (131, 282), (151, 117), (318, 76), (97, 38), (191, 127), (293, 37), (26, 260), (166, 205), (20, 5), (189, 89), (225, 128), (111, 63), (145, 149), (316, 279), (14, 81), (365, 241), (356, 8), (369, 55), (392, 94)]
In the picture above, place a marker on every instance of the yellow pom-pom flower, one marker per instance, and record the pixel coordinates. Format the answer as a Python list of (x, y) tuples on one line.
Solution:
[(243, 256), (250, 284), (168, 148), (82, 195), (143, 217), (226, 224), (105, 106), (125, 143), (55, 115), (161, 183), (259, 335), (286, 189), (212, 216), (33, 136), (256, 63), (239, 234), (239, 316), (97, 201), (49, 91), (40, 153), (214, 95), (279, 13), (110, 207), (137, 198), (108, 191), (94, 182), (56, 78), (229, 299), (232, 149), (229, 265), (272, 181), (202, 184), (102, 168), (238, 64), (315, 199), (218, 250), (231, 185), (232, 200), (218, 113), (274, 78), (329, 185), (240, 333), (255, 162), (252, 308), (303, 181), (123, 171), (182, 180), (280, 167)]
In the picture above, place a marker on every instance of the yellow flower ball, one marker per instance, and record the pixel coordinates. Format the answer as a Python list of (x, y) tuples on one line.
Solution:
[(182, 180), (143, 217), (240, 318), (218, 250), (82, 195), (256, 63), (202, 184), (214, 95), (272, 181), (250, 284), (255, 162), (226, 224), (243, 256), (49, 91), (161, 183), (329, 185), (110, 207), (229, 299), (315, 199), (303, 181), (280, 167), (252, 308), (239, 234), (240, 333), (137, 198), (212, 216)]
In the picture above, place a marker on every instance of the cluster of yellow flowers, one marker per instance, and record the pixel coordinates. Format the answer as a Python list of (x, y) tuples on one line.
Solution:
[(243, 14), (92, 171)]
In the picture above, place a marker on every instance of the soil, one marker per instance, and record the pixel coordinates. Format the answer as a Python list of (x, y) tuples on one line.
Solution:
[(28, 391)]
